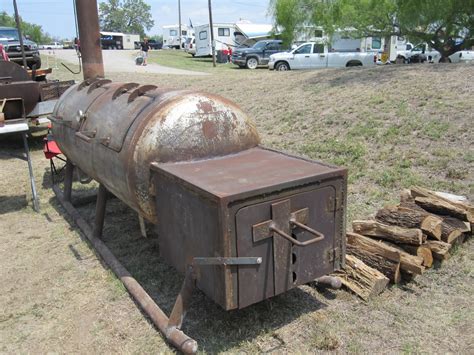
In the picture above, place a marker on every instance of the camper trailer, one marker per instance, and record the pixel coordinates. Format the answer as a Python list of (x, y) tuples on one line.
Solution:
[(118, 40), (171, 35), (229, 35)]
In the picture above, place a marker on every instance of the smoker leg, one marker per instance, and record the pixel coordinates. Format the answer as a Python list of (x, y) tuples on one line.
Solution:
[(68, 181), (330, 281), (182, 301), (141, 221), (100, 211), (32, 179)]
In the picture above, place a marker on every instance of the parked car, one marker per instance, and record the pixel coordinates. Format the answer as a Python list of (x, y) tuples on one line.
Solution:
[(424, 53), (154, 44), (11, 43), (258, 54), (315, 55), (190, 46), (462, 56), (53, 45)]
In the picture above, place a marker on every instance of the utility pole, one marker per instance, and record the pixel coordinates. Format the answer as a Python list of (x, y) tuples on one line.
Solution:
[(20, 35), (211, 27), (179, 17)]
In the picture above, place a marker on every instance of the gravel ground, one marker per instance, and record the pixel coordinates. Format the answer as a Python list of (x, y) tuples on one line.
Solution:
[(119, 61)]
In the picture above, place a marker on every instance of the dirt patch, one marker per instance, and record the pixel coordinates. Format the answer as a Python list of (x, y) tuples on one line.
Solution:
[(391, 126)]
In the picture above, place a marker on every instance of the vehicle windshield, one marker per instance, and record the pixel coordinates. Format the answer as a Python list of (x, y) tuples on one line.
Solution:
[(259, 45), (188, 40), (10, 35)]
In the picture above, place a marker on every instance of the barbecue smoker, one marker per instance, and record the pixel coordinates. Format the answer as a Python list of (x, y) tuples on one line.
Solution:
[(243, 222), (251, 222)]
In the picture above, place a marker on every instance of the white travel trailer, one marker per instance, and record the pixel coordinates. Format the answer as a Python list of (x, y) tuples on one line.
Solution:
[(118, 40), (171, 35), (229, 35)]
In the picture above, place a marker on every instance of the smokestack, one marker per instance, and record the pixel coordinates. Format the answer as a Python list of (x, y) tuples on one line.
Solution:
[(89, 35)]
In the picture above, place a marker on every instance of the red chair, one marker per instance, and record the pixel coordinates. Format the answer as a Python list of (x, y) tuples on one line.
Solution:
[(51, 151)]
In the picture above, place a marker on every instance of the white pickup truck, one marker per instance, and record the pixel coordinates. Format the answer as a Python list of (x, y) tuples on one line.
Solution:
[(53, 45), (315, 55)]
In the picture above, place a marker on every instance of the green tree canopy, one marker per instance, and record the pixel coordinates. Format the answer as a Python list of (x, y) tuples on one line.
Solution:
[(35, 32), (447, 25), (127, 16)]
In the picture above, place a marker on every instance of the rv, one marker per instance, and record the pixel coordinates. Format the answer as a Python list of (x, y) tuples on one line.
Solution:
[(229, 35), (171, 35)]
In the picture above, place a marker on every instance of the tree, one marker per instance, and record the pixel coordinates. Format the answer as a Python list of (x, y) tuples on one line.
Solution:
[(128, 16), (33, 31), (446, 25)]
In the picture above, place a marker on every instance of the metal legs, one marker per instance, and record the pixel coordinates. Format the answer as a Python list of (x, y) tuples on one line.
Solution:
[(68, 181), (100, 211), (30, 168)]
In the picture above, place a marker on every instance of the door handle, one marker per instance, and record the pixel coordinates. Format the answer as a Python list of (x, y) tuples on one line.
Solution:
[(318, 235), (306, 56), (322, 55)]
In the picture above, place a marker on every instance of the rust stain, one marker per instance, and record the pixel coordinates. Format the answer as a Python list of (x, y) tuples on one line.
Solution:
[(209, 129)]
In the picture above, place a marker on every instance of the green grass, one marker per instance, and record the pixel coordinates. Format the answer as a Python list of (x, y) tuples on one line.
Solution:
[(181, 60)]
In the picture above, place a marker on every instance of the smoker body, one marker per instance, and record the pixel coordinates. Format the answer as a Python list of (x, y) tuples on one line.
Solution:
[(190, 163), (114, 131)]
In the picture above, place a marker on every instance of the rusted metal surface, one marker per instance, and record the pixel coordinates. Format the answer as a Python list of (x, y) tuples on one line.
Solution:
[(13, 109), (212, 206), (10, 71), (28, 91), (89, 35), (113, 131)]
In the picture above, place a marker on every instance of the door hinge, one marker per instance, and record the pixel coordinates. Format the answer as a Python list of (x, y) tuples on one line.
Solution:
[(334, 254)]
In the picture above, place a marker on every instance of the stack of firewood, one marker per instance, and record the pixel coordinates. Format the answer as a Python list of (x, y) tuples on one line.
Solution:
[(403, 241)]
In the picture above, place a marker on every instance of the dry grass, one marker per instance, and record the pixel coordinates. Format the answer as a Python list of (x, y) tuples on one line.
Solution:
[(392, 126)]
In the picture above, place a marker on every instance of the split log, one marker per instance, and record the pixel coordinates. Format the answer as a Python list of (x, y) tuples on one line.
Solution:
[(409, 263), (376, 255), (405, 196), (451, 227), (422, 251), (391, 233), (439, 249), (441, 207), (464, 227), (429, 224), (361, 279), (456, 200), (449, 233)]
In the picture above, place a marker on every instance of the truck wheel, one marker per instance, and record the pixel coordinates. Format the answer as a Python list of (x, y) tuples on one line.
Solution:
[(252, 63), (282, 66)]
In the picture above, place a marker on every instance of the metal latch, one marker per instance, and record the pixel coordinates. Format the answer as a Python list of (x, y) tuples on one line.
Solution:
[(279, 228)]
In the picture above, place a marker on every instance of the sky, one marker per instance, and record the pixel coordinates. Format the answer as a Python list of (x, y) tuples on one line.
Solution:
[(57, 16)]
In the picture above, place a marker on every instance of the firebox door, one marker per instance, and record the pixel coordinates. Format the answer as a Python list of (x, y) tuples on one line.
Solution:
[(295, 236)]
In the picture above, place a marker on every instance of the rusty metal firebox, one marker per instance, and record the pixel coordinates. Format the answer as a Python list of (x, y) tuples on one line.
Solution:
[(245, 223)]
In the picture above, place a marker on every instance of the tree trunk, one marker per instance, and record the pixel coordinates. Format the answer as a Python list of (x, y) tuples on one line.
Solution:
[(377, 255), (391, 233), (361, 279), (439, 249), (429, 224)]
